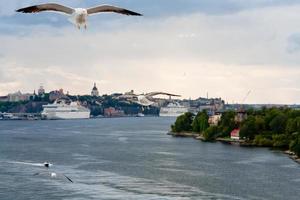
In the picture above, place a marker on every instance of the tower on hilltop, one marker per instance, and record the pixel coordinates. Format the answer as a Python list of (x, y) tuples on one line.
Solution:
[(41, 91), (95, 92)]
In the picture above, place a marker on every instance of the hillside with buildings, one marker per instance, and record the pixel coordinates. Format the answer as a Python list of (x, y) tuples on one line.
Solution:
[(113, 105), (120, 105)]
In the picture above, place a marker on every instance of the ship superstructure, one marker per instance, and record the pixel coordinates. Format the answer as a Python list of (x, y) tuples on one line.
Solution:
[(173, 109), (65, 109)]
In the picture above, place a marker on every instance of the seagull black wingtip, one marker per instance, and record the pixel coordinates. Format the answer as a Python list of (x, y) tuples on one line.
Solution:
[(21, 10), (134, 13), (30, 9)]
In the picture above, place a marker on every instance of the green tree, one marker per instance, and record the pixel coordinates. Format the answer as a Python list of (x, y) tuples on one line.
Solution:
[(270, 114), (295, 145), (262, 141), (227, 123), (248, 129), (8, 106), (281, 140), (200, 123), (260, 123), (211, 133), (278, 123), (293, 113), (183, 123), (293, 125)]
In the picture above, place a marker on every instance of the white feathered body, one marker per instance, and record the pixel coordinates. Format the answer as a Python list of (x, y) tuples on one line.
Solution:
[(53, 175), (79, 17)]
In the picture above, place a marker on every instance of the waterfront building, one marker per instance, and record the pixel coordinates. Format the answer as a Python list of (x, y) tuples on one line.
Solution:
[(207, 107), (57, 94), (18, 96), (41, 91), (214, 119), (95, 92), (193, 110), (3, 98), (131, 92), (211, 105), (235, 134)]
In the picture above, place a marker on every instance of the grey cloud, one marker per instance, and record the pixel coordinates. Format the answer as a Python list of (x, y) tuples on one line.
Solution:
[(293, 43), (235, 39), (161, 7), (11, 22), (239, 51), (8, 7)]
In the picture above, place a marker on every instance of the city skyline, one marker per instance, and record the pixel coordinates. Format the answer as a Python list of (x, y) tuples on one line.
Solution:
[(224, 48)]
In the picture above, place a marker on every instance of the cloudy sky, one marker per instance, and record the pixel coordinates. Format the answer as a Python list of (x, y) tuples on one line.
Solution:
[(189, 47)]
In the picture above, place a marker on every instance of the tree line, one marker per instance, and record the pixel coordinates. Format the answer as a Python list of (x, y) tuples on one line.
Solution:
[(268, 127)]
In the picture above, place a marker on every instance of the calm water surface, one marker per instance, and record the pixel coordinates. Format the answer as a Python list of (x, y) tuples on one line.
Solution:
[(134, 159)]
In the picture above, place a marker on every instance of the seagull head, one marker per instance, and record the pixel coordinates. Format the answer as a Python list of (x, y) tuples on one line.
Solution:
[(81, 11)]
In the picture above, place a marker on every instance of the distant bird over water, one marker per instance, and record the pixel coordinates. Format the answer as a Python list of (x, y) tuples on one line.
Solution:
[(54, 175), (47, 164), (78, 16)]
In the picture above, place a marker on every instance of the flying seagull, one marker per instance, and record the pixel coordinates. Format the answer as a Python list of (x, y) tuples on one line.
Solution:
[(78, 16), (54, 175)]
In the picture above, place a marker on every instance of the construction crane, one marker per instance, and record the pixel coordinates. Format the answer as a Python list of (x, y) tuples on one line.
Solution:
[(247, 95), (241, 109)]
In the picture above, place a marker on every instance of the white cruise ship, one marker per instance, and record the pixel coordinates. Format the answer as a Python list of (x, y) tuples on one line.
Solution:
[(62, 109), (173, 110)]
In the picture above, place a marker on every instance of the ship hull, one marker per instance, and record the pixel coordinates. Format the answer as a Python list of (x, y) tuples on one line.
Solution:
[(66, 115), (172, 112)]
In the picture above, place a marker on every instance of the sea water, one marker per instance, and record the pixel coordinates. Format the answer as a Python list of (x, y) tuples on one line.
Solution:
[(134, 158)]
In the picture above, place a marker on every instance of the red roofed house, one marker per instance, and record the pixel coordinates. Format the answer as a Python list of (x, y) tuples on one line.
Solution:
[(235, 134)]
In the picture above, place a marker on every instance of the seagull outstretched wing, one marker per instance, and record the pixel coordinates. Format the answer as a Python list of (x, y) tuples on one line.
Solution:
[(108, 8), (47, 7), (68, 178)]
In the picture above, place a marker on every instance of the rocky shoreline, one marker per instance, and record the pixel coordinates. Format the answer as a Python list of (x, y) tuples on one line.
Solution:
[(230, 141), (293, 156)]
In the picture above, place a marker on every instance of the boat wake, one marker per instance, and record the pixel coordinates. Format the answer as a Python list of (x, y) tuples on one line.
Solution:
[(108, 185), (27, 163)]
